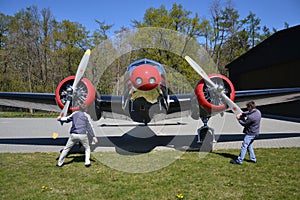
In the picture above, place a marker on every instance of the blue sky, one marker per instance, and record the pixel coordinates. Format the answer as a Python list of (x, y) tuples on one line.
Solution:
[(273, 13)]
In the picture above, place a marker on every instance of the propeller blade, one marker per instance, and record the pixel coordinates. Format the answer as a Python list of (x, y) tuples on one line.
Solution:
[(81, 68), (233, 106), (80, 71), (64, 112), (200, 71)]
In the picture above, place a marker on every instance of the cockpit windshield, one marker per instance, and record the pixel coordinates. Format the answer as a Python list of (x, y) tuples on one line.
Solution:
[(159, 67)]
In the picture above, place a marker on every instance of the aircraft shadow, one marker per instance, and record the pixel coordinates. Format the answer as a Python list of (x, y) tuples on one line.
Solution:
[(133, 125), (230, 156), (226, 155), (141, 139), (76, 158), (264, 136)]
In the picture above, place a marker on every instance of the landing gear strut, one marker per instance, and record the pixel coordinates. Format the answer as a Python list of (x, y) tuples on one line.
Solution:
[(206, 135), (205, 132)]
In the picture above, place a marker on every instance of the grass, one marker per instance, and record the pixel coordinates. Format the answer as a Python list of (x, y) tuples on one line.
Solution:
[(28, 115), (35, 176)]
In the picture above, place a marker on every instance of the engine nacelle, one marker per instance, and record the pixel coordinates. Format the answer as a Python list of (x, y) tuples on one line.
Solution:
[(85, 93), (209, 100)]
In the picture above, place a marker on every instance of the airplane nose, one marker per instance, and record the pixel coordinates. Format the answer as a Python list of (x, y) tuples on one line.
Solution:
[(145, 77)]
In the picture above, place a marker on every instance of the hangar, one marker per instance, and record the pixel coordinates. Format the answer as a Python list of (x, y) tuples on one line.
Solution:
[(274, 63)]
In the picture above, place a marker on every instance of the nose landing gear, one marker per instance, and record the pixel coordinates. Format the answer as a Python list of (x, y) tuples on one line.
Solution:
[(206, 136)]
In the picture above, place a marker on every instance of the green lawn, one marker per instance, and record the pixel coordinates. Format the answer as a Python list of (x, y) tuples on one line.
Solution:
[(37, 114), (35, 176)]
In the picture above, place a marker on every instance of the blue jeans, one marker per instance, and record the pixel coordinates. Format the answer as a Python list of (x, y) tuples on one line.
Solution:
[(247, 145)]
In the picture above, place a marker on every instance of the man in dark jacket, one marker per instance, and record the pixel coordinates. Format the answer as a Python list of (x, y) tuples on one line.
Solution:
[(81, 125), (251, 122)]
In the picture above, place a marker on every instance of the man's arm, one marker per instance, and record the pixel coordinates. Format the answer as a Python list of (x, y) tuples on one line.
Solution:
[(90, 129), (65, 119), (245, 121)]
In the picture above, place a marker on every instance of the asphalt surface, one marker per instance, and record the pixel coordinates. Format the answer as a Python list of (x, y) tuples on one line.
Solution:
[(35, 135)]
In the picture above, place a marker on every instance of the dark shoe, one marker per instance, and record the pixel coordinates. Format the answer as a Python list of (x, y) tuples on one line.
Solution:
[(234, 162), (87, 165), (253, 161)]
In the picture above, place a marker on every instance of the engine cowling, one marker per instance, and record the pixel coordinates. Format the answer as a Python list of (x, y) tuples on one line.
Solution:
[(85, 93), (208, 99)]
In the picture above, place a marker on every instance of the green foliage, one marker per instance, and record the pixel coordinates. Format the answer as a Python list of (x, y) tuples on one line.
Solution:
[(37, 51), (40, 51), (27, 114)]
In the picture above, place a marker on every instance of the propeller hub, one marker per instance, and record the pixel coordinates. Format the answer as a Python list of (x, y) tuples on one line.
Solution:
[(70, 90), (220, 88)]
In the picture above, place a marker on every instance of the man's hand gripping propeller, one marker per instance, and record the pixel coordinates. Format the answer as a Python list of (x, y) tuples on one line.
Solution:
[(79, 74), (233, 106)]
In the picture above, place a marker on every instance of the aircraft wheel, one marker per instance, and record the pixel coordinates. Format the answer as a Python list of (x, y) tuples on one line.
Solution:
[(206, 136)]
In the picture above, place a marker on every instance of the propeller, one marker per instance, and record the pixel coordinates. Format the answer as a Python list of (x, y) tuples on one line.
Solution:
[(233, 106), (80, 71)]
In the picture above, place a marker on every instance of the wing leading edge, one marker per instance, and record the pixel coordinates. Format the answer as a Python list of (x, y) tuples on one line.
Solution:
[(267, 96), (111, 104), (38, 101)]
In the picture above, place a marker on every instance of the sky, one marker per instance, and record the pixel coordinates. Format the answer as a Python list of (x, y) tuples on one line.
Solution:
[(273, 13)]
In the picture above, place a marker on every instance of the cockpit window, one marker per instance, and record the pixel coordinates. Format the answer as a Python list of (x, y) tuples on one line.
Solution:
[(159, 67)]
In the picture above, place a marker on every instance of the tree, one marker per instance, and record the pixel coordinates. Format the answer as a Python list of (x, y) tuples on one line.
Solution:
[(23, 45), (4, 70), (38, 51), (100, 34), (225, 28), (252, 24), (176, 19), (71, 40)]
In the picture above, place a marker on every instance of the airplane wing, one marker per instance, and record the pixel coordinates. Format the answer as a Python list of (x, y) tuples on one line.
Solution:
[(38, 101), (262, 97), (267, 96), (180, 105), (111, 105)]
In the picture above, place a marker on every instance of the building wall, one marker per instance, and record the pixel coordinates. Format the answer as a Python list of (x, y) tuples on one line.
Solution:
[(274, 63), (277, 76)]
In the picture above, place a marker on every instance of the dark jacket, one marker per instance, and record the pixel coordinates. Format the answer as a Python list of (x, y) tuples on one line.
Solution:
[(251, 122)]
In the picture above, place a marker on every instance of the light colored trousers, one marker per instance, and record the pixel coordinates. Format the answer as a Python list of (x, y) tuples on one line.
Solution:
[(73, 139)]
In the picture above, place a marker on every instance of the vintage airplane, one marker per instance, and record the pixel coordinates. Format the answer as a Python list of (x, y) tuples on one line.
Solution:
[(146, 96)]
